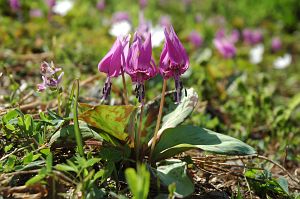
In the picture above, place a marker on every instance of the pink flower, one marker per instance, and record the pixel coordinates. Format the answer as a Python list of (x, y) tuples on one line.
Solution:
[(276, 44), (225, 47), (173, 60), (15, 5), (101, 5), (195, 39), (252, 37), (113, 62), (140, 65)]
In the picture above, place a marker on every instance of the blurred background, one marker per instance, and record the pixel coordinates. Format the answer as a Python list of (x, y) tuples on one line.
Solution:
[(244, 59)]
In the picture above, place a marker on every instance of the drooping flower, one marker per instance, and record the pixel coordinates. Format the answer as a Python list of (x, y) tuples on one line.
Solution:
[(113, 62), (15, 5), (252, 37), (101, 5), (50, 3), (276, 44), (165, 21), (139, 65), (225, 43), (173, 60), (35, 13), (195, 39), (49, 75), (143, 4), (225, 48)]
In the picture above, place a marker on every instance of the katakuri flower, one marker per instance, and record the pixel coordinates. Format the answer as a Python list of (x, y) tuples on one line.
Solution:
[(174, 60), (113, 62), (139, 65), (225, 43), (15, 5), (49, 75), (195, 39), (276, 44)]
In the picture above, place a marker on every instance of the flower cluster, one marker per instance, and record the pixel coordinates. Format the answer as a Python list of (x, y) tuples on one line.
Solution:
[(137, 61), (49, 76), (225, 44)]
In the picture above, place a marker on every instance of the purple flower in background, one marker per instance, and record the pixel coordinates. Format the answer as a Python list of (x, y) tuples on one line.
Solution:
[(165, 21), (15, 5), (49, 76), (195, 39), (143, 4), (234, 36), (50, 3), (276, 44), (174, 60), (139, 65), (113, 62), (252, 37), (225, 47), (198, 18), (120, 16), (101, 5), (35, 13)]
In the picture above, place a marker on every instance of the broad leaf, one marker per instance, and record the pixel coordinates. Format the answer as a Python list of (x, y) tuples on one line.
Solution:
[(182, 111), (111, 119), (183, 138), (175, 171), (66, 134), (173, 114)]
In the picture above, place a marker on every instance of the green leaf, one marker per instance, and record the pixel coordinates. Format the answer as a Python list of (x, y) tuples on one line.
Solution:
[(66, 134), (10, 127), (64, 167), (49, 162), (40, 176), (182, 138), (182, 111), (111, 119), (138, 182), (28, 158), (10, 115), (175, 171), (283, 183), (293, 103), (173, 114)]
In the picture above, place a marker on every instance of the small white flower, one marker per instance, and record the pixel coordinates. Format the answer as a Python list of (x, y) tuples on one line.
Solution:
[(63, 7), (121, 28), (283, 62), (256, 54), (157, 35)]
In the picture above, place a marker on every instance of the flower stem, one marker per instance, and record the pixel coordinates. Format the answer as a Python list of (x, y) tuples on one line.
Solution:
[(138, 139), (124, 86), (162, 100), (58, 103), (76, 123)]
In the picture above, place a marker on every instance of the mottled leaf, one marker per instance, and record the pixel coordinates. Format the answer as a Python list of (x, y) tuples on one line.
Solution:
[(111, 119)]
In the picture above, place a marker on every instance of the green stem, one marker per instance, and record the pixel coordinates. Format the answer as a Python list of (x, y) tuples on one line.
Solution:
[(58, 102), (139, 135), (76, 124), (162, 100), (124, 86)]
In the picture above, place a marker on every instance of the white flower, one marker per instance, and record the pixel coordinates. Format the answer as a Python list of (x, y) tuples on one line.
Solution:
[(283, 62), (63, 7), (157, 35), (121, 28), (256, 54)]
